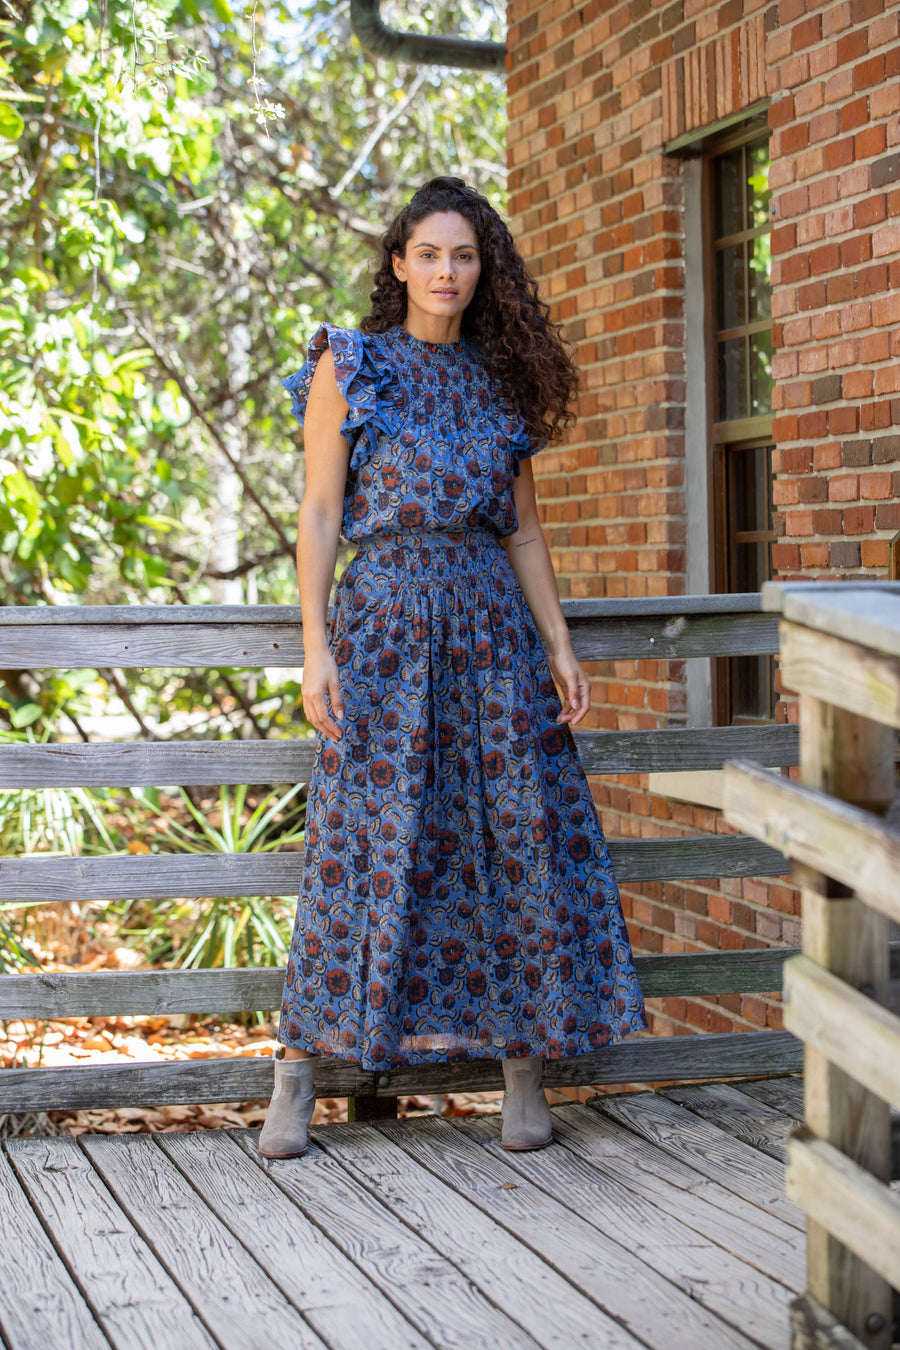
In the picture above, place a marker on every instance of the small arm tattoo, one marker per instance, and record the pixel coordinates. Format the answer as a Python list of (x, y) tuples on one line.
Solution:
[(526, 541)]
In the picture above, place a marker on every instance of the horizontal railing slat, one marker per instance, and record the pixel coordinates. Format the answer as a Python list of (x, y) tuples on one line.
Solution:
[(211, 763), (271, 635), (107, 993), (254, 989), (830, 836), (636, 1060), (856, 1208), (159, 876), (86, 616), (258, 636)]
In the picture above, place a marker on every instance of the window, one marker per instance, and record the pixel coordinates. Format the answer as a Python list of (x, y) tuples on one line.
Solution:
[(739, 365), (742, 286)]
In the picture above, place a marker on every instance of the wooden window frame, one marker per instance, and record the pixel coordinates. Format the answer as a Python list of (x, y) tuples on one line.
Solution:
[(738, 434)]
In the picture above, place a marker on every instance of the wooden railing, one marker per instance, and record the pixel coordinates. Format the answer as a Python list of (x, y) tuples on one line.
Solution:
[(841, 654), (689, 627)]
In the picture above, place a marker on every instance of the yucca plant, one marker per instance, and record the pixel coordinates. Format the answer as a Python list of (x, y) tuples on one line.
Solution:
[(224, 930), (60, 821), (50, 820)]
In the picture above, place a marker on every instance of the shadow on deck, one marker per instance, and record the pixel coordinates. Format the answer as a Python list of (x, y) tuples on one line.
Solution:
[(655, 1220)]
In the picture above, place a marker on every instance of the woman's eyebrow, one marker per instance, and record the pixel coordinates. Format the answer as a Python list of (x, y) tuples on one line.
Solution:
[(472, 248)]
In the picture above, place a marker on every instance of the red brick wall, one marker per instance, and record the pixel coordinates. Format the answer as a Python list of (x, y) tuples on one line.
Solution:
[(834, 78), (595, 91)]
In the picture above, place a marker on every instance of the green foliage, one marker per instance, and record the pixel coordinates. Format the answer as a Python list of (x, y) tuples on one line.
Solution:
[(63, 821), (170, 243), (225, 930), (83, 822), (186, 190)]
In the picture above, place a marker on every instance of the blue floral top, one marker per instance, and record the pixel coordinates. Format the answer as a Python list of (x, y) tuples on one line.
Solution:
[(434, 442)]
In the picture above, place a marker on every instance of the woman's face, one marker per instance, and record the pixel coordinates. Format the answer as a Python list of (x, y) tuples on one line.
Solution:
[(441, 266)]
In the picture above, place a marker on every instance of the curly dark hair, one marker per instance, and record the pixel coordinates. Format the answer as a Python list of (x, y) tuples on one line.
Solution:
[(521, 348)]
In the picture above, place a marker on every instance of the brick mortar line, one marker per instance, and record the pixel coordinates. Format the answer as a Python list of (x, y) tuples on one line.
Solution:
[(824, 43), (827, 175), (578, 215), (796, 443), (851, 471), (854, 232), (807, 119)]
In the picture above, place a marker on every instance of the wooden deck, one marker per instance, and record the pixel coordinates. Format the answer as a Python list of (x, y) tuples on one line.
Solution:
[(656, 1220)]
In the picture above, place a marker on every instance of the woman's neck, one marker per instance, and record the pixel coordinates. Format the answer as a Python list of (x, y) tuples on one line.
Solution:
[(433, 327)]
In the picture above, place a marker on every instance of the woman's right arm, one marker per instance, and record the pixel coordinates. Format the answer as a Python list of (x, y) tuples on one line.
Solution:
[(318, 530)]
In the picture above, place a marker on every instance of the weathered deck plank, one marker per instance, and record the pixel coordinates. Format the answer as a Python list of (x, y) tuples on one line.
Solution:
[(241, 1306), (715, 1153), (431, 1292), (429, 1201), (761, 1126), (769, 1244), (645, 1227), (750, 1302), (630, 1290), (113, 1265), (39, 1304), (311, 1272), (782, 1094)]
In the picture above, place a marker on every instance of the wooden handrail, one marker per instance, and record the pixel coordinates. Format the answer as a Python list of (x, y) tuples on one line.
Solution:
[(212, 763), (205, 636), (209, 636), (841, 654)]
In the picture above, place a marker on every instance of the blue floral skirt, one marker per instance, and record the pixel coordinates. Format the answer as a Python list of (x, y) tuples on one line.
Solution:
[(458, 899)]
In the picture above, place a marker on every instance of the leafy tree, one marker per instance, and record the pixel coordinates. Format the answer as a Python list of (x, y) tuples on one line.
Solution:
[(186, 192)]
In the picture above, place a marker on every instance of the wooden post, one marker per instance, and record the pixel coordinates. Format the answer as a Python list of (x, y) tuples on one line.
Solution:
[(360, 1109), (369, 1105), (852, 758)]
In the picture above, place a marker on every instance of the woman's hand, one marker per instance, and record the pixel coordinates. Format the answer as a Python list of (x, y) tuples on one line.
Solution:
[(320, 677), (572, 683)]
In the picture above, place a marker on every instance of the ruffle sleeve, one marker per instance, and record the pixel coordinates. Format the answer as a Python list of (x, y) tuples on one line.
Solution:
[(523, 446), (359, 379)]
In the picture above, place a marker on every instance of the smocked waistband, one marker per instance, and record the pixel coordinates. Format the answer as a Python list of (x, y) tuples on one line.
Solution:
[(426, 538)]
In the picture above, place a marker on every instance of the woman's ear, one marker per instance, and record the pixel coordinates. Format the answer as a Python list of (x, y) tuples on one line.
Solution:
[(399, 265)]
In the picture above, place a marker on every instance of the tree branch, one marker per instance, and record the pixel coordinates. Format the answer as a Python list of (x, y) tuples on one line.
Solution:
[(168, 365)]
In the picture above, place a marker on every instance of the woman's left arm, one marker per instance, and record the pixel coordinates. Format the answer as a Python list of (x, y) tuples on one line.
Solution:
[(527, 551)]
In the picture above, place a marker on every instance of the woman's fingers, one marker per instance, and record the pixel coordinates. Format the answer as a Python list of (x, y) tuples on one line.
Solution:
[(337, 700), (577, 696), (322, 720), (317, 712)]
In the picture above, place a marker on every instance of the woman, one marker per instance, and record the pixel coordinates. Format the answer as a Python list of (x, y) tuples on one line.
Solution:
[(458, 899)]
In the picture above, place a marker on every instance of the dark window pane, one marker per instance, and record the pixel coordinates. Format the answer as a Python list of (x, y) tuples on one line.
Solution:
[(729, 193), (753, 689), (732, 379), (741, 306), (759, 252), (761, 373), (758, 195), (750, 492), (731, 287)]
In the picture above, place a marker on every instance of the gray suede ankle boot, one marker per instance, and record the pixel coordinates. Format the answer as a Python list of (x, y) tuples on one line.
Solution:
[(293, 1101), (527, 1122)]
